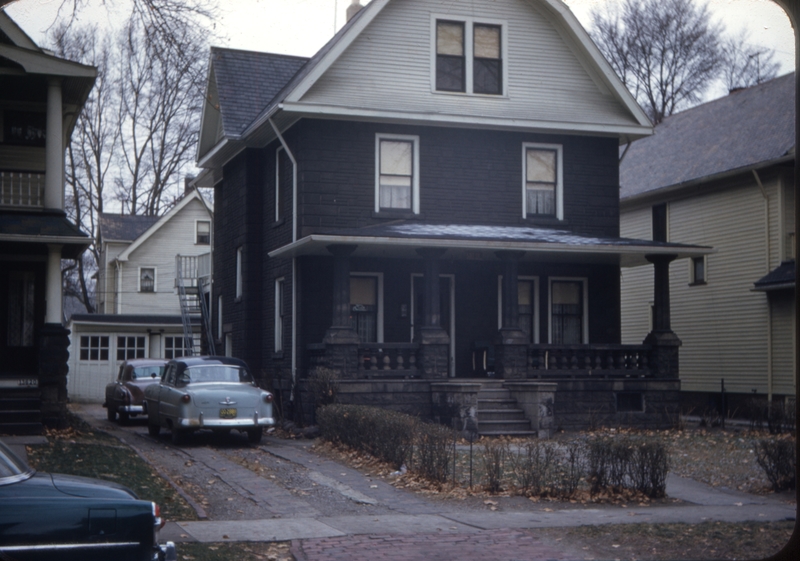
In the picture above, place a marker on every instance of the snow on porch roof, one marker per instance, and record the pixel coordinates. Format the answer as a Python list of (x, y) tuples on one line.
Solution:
[(400, 240)]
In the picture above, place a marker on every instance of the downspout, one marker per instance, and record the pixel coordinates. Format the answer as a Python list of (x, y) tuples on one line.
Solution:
[(769, 307), (294, 259), (118, 295)]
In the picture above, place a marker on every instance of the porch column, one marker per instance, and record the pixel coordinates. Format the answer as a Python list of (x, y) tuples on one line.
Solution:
[(53, 306), (511, 344), (341, 353), (52, 347), (433, 339), (54, 148), (663, 340)]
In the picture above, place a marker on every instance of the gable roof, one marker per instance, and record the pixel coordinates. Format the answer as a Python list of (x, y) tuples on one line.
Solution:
[(124, 227), (630, 120), (746, 129), (162, 220), (247, 81)]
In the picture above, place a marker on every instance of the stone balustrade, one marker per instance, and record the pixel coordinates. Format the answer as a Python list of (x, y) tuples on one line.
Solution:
[(594, 360)]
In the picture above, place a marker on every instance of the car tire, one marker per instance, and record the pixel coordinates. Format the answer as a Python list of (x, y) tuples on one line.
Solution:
[(111, 414), (124, 418), (178, 436), (254, 435), (153, 430)]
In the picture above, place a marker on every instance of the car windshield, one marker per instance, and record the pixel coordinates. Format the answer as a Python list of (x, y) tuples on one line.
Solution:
[(12, 467), (142, 372), (215, 373)]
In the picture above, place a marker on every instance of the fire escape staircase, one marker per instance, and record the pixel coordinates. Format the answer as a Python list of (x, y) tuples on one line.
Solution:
[(197, 336)]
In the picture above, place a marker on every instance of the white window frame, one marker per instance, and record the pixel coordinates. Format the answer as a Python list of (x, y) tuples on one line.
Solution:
[(585, 282), (535, 297), (175, 338), (278, 151), (414, 171), (379, 318), (239, 284), (469, 40), (692, 279), (109, 348), (116, 345), (196, 232), (280, 287), (155, 280), (559, 194), (219, 317)]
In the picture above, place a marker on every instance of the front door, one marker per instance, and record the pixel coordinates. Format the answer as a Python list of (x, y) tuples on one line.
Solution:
[(446, 310), (21, 316)]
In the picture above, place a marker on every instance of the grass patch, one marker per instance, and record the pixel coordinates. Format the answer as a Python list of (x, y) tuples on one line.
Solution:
[(81, 451), (708, 540)]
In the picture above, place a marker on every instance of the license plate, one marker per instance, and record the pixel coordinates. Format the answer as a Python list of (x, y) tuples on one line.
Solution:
[(227, 413)]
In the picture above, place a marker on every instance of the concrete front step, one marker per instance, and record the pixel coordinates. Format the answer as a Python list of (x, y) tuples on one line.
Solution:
[(519, 433), (501, 415), (503, 426), (497, 404), (21, 428)]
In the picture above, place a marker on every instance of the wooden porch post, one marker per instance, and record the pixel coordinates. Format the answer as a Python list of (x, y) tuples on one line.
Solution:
[(341, 353), (433, 339), (663, 340)]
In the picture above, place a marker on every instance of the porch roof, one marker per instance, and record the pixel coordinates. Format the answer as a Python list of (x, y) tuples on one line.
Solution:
[(780, 278), (401, 240), (48, 227)]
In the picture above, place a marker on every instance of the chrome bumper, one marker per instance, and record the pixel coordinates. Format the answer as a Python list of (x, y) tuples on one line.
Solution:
[(130, 409), (243, 422), (166, 552)]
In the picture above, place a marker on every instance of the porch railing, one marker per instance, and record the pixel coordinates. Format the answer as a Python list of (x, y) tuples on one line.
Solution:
[(592, 360), (388, 360), (375, 360), (192, 267), (21, 189)]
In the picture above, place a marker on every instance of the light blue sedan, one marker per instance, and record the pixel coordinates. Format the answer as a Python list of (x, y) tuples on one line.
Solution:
[(207, 392)]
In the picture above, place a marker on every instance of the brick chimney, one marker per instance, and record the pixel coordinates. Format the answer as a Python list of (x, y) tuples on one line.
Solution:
[(353, 9)]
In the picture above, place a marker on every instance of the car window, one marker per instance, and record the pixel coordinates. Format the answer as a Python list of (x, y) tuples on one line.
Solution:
[(170, 376), (147, 372), (217, 373), (11, 466)]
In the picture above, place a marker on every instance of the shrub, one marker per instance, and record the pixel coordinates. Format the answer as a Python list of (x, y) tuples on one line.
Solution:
[(648, 468), (493, 456), (324, 385), (385, 434), (533, 466), (432, 451), (777, 459), (570, 469), (621, 462)]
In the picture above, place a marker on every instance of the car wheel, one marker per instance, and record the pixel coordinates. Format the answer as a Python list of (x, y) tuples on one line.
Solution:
[(111, 413), (153, 430), (124, 418), (178, 436), (254, 435)]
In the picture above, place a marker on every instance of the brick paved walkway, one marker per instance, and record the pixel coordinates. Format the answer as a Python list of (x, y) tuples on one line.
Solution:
[(496, 545)]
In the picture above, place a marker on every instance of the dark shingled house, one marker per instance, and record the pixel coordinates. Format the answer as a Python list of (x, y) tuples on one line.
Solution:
[(428, 208)]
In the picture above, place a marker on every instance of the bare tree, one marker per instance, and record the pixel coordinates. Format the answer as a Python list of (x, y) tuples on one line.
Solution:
[(135, 137), (667, 52), (745, 64)]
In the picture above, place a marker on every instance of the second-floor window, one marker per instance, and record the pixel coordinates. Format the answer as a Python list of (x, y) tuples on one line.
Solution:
[(203, 232), (542, 180), (397, 173), (469, 57), (147, 279)]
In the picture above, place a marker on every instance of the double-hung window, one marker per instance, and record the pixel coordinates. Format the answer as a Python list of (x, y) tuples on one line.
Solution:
[(542, 181), (147, 279), (396, 173), (468, 57), (568, 320), (203, 232)]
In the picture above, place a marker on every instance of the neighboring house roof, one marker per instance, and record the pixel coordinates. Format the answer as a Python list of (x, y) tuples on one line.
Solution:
[(124, 227), (247, 81), (407, 237), (115, 319), (782, 277), (744, 130)]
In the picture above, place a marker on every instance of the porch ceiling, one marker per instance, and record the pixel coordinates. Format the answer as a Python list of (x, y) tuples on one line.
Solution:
[(471, 242)]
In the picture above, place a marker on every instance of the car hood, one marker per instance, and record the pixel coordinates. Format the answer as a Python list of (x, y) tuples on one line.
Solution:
[(212, 394), (85, 487)]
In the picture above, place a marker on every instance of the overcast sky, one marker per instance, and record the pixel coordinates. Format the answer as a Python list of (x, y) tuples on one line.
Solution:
[(301, 27)]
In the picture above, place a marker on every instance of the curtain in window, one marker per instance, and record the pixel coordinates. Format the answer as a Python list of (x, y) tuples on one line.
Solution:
[(486, 65), (363, 308), (525, 305), (450, 75), (396, 171), (540, 181), (567, 301)]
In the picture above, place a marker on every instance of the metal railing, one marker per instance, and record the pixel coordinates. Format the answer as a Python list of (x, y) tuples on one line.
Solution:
[(591, 360), (22, 189)]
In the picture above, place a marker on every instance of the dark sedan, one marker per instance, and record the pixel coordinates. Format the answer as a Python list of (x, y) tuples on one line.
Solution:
[(51, 516), (125, 396)]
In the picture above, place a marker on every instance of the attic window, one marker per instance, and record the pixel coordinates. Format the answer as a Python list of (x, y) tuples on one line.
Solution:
[(468, 57)]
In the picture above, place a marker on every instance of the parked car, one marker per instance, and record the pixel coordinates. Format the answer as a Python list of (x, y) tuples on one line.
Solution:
[(208, 392), (126, 396), (52, 516)]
